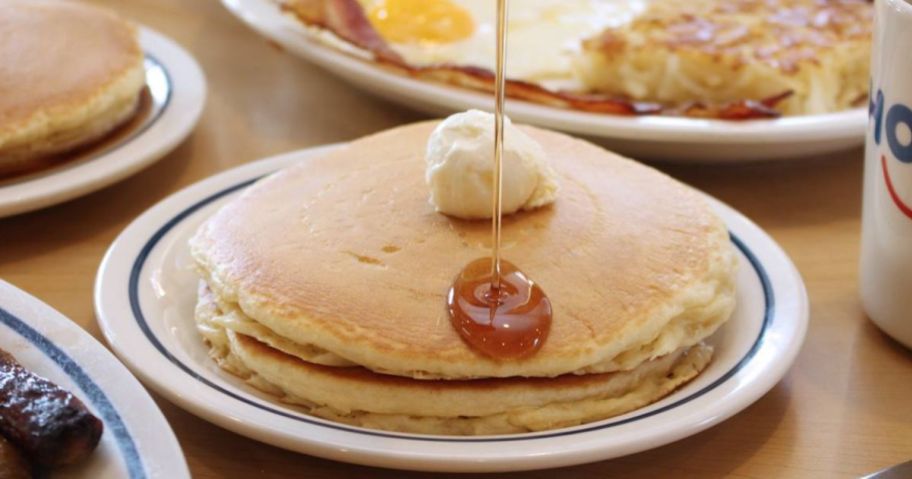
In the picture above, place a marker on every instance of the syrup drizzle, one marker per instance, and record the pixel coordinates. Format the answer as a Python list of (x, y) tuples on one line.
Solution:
[(509, 322), (497, 193), (496, 308)]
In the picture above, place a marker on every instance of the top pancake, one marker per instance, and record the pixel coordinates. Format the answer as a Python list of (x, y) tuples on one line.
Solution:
[(61, 64), (345, 252)]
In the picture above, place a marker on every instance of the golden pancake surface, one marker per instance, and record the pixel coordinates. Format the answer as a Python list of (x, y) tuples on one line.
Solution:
[(344, 254), (69, 74)]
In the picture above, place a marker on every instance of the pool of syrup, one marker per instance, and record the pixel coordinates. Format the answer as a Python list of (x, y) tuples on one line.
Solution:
[(509, 322)]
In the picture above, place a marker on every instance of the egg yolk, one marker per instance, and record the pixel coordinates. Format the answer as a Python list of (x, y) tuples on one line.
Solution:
[(421, 21)]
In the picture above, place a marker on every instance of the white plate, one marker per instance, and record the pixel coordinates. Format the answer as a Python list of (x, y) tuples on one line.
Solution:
[(655, 137), (178, 90), (146, 291), (137, 442)]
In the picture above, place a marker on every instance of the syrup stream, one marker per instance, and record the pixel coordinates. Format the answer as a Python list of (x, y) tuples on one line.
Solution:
[(495, 307), (499, 87)]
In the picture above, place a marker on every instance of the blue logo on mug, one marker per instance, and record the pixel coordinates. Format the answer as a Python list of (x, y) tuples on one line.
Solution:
[(898, 114)]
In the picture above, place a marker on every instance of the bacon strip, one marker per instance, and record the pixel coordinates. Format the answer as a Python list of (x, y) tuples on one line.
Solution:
[(347, 20)]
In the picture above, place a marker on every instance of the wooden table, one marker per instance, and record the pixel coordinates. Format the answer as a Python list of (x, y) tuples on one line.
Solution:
[(843, 410)]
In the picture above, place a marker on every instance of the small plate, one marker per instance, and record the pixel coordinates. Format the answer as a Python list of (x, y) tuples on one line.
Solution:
[(137, 442), (654, 137), (146, 291), (176, 94)]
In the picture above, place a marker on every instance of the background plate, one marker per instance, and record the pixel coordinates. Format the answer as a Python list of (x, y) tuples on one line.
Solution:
[(137, 442), (146, 290), (178, 90), (652, 137)]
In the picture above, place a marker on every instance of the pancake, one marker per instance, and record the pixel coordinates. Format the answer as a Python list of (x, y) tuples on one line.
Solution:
[(714, 51), (69, 74), (342, 261), (357, 396)]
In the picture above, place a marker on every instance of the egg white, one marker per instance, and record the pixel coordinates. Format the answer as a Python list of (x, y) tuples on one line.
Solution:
[(543, 36)]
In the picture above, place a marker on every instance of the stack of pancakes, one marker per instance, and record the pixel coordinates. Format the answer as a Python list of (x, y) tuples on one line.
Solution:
[(69, 75), (325, 285)]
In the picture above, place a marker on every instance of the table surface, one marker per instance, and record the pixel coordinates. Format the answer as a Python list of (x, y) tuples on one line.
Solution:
[(842, 410)]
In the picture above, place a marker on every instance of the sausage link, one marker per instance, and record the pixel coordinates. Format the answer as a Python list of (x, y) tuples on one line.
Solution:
[(50, 425), (12, 464)]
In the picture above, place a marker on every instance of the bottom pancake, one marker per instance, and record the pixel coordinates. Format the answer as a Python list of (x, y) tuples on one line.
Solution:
[(21, 157), (357, 396)]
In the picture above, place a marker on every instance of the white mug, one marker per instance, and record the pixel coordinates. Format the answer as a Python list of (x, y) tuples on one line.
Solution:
[(886, 243)]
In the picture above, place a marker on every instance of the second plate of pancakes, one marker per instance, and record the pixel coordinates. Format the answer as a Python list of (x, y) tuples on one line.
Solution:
[(146, 296), (170, 105)]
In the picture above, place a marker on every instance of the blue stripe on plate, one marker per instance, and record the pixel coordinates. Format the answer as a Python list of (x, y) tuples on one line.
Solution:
[(133, 292), (92, 392), (151, 64)]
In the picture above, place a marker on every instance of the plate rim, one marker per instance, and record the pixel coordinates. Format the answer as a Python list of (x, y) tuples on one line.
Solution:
[(836, 126), (174, 123), (140, 318), (192, 194), (82, 371)]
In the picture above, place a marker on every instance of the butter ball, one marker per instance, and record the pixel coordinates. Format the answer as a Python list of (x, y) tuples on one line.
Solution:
[(460, 168)]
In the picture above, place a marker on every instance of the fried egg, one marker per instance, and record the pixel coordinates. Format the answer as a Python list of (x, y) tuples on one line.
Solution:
[(544, 35)]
